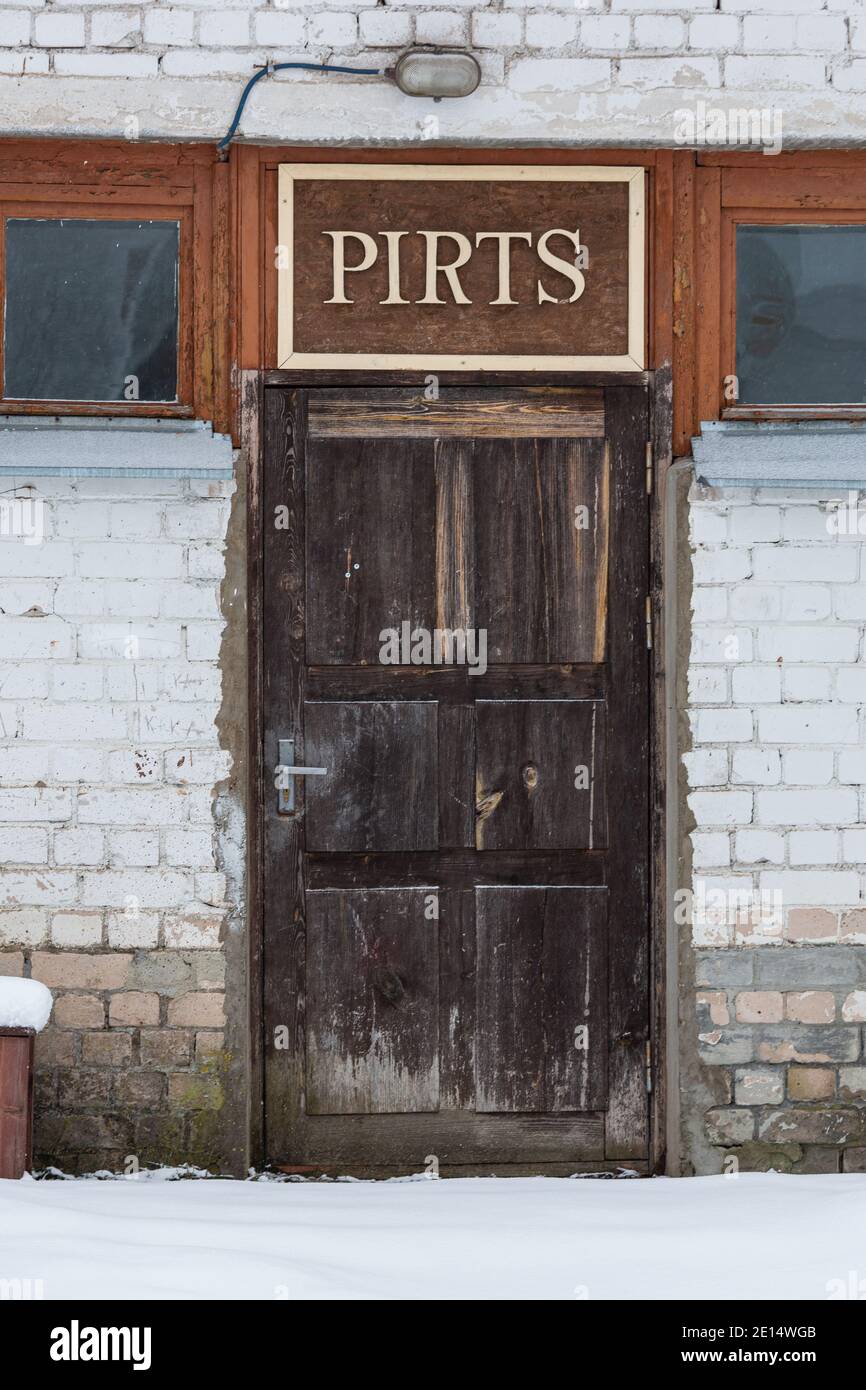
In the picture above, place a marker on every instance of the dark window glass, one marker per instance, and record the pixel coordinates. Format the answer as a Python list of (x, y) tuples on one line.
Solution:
[(91, 310), (801, 315)]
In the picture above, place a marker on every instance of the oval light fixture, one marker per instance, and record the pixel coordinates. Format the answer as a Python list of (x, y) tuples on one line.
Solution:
[(428, 72)]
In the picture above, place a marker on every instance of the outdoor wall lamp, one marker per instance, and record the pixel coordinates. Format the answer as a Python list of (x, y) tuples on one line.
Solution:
[(419, 72), (436, 73)]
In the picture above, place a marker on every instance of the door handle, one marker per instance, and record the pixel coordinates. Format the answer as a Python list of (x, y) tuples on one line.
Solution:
[(285, 774)]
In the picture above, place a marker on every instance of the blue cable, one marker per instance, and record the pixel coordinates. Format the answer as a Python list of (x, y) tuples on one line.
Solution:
[(279, 67)]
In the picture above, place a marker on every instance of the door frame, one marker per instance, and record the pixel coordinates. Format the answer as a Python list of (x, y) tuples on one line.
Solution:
[(252, 387)]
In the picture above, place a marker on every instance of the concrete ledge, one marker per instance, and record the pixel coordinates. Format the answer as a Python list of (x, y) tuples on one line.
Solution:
[(75, 446), (809, 453)]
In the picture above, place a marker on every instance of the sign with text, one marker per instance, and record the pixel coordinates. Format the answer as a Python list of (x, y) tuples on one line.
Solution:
[(461, 267)]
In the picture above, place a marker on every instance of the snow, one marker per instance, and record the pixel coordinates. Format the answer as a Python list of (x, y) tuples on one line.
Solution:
[(24, 1003), (752, 1236)]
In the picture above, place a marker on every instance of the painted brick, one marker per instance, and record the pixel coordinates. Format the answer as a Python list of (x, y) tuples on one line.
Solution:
[(193, 930), (552, 74), (225, 29), (133, 929), (796, 968), (806, 603), (722, 726), (758, 1086), (852, 928), (801, 1042), (759, 1007), (76, 929), (756, 766), (339, 30), (171, 26), (759, 847), (824, 806), (806, 684), (813, 847), (852, 1083), (59, 30), (106, 64), (751, 685), (707, 767), (811, 1006), (812, 1127), (854, 1007), (721, 808), (812, 887), (730, 1126), (808, 724), (724, 969), (23, 926), (384, 30), (14, 27), (726, 1046), (812, 924), (608, 31)]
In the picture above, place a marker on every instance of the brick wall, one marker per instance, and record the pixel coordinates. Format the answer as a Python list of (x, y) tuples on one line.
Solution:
[(602, 71), (777, 767), (111, 887)]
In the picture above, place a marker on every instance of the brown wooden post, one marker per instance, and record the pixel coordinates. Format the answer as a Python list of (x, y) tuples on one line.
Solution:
[(16, 1101)]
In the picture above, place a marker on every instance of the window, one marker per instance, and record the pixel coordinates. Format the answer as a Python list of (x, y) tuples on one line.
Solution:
[(801, 314), (91, 309)]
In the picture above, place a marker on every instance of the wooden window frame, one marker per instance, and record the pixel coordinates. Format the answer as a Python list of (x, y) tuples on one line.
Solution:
[(732, 218), (132, 181), (817, 189), (104, 212)]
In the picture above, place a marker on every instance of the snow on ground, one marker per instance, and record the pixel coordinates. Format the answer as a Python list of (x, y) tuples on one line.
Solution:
[(754, 1236)]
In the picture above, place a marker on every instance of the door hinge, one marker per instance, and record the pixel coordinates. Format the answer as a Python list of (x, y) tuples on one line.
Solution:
[(649, 622), (649, 467), (649, 1066)]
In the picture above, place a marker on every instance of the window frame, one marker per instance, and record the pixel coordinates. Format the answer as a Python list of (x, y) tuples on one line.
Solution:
[(55, 208), (714, 191), (773, 217), (142, 180)]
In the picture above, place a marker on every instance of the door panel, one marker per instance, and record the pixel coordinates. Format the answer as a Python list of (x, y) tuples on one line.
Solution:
[(373, 1001), (380, 790), (542, 528), (540, 953), (540, 774), (369, 545), (455, 939)]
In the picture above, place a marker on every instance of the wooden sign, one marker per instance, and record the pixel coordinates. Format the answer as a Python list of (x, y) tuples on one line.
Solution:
[(461, 267)]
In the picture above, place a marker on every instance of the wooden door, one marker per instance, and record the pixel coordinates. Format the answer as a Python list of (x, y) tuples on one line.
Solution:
[(456, 913)]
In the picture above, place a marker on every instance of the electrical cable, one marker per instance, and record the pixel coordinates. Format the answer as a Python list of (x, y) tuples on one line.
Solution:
[(280, 67)]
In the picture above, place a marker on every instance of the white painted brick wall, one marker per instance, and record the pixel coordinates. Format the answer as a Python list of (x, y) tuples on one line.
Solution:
[(109, 689), (580, 57), (777, 686)]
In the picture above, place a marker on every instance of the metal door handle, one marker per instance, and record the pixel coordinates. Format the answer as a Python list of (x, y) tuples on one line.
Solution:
[(286, 772)]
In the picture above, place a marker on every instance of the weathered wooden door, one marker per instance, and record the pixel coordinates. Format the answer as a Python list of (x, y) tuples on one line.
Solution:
[(456, 911)]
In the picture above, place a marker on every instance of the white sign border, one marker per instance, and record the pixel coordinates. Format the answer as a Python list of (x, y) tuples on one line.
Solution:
[(631, 361)]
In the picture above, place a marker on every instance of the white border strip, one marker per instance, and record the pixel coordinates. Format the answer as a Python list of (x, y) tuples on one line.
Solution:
[(632, 361)]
